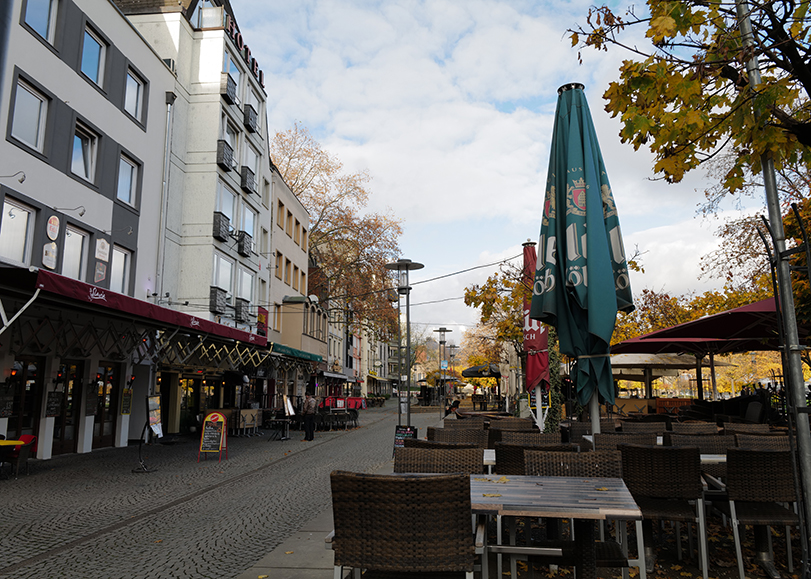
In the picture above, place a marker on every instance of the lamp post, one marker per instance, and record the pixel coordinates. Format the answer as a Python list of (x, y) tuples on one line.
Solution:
[(452, 357), (403, 266), (442, 332)]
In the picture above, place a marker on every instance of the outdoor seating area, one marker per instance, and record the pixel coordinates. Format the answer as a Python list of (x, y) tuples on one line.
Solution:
[(669, 478)]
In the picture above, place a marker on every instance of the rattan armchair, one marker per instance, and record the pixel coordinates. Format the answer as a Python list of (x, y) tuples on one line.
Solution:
[(664, 481), (745, 428), (635, 426), (510, 457), (439, 460), (420, 443), (478, 437), (513, 423), (763, 441), (758, 482), (610, 440), (694, 427), (607, 463), (391, 525), (469, 423), (706, 444), (523, 437)]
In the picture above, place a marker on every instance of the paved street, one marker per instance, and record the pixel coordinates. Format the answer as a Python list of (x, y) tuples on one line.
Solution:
[(89, 516)]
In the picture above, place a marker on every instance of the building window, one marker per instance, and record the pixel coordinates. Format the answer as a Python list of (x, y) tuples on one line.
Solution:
[(223, 272), (30, 113), (127, 180), (231, 136), (245, 289), (248, 220), (41, 16), (225, 201), (287, 268), (295, 277), (289, 227), (85, 150), (74, 256), (279, 262), (252, 160), (206, 15), (277, 317), (264, 242), (230, 66), (93, 50), (16, 231), (304, 283), (120, 270), (266, 193), (134, 95), (280, 215), (303, 239), (297, 234)]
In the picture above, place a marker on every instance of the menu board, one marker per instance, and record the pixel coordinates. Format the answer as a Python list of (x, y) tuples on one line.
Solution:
[(126, 401), (213, 438), (53, 406), (6, 402), (403, 432), (153, 404)]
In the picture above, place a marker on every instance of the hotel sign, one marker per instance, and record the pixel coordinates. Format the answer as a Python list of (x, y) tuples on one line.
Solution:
[(236, 36)]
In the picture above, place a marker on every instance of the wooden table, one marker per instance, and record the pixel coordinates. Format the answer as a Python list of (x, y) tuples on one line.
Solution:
[(583, 500)]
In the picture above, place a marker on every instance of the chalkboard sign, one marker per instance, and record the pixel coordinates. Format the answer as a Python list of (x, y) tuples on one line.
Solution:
[(126, 401), (213, 438), (91, 401), (53, 406), (403, 432), (6, 403)]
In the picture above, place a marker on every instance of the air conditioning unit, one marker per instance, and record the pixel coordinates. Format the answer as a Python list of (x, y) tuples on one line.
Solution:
[(217, 301), (221, 226), (225, 155), (244, 243)]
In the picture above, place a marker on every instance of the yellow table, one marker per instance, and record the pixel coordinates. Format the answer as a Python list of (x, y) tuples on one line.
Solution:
[(11, 442)]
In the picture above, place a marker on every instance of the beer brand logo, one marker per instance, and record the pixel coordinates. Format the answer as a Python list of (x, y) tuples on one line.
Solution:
[(578, 193), (95, 295)]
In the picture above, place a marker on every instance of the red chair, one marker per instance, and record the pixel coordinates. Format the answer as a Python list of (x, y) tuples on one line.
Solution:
[(21, 452)]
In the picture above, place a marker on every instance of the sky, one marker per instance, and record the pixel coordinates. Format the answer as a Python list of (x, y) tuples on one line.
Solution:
[(449, 106)]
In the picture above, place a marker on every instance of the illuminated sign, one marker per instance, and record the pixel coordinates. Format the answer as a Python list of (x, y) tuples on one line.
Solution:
[(236, 36)]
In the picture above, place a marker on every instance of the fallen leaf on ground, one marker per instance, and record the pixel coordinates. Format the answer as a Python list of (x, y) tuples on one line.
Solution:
[(288, 552), (491, 495)]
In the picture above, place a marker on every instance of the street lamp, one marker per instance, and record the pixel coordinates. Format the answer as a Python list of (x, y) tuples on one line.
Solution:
[(442, 332), (403, 266)]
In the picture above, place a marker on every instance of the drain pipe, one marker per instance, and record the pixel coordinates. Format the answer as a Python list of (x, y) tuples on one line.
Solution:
[(161, 257)]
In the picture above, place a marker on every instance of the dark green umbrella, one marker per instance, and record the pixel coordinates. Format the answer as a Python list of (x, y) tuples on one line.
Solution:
[(581, 280)]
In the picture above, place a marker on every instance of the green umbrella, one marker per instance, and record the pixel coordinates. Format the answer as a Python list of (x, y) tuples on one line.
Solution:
[(581, 280)]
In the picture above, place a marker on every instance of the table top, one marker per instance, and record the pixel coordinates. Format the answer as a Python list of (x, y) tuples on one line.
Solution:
[(552, 496), (11, 442)]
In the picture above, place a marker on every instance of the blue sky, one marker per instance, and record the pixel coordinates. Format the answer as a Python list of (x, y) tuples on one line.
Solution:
[(449, 106)]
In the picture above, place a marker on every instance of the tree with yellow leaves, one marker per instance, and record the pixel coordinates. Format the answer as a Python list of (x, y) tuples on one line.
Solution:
[(348, 245)]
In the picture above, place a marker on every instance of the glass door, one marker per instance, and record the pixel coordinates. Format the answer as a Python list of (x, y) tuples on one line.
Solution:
[(69, 383), (107, 377), (26, 388)]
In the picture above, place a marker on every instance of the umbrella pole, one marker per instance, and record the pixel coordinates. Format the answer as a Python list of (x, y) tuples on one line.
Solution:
[(594, 412), (712, 377), (699, 385)]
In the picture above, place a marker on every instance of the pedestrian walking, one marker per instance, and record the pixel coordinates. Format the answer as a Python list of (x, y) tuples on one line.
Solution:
[(309, 409)]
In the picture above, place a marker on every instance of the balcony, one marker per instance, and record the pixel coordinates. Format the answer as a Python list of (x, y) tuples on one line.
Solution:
[(228, 89), (244, 243), (242, 310), (248, 180), (250, 119), (221, 226), (217, 301), (225, 155)]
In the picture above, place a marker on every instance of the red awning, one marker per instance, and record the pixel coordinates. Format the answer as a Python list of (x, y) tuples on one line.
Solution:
[(83, 292)]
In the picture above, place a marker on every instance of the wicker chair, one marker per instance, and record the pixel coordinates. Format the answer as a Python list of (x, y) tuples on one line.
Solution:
[(606, 463), (419, 443), (745, 428), (510, 457), (376, 516), (610, 440), (763, 441), (513, 423), (706, 444), (694, 428), (664, 480), (523, 437), (461, 435), (469, 423), (757, 481), (634, 426), (439, 460)]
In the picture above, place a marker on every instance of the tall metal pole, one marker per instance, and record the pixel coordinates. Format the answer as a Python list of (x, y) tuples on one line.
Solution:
[(399, 364), (791, 356), (442, 332)]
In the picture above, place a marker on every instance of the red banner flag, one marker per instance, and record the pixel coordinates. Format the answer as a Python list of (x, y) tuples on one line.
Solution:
[(535, 335)]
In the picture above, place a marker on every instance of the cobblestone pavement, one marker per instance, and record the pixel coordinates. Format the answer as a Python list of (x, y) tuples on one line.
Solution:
[(88, 516)]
